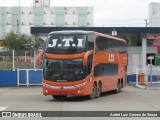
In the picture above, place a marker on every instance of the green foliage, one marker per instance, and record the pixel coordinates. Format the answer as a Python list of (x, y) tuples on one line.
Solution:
[(131, 39), (157, 60), (11, 41), (18, 41), (37, 43)]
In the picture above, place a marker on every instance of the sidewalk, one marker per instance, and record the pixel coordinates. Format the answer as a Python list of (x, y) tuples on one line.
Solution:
[(152, 86)]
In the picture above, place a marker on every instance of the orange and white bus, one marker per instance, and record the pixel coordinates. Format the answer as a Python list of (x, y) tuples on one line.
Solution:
[(83, 63)]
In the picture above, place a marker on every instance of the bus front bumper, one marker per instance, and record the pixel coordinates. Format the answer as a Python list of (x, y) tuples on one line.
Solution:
[(76, 90)]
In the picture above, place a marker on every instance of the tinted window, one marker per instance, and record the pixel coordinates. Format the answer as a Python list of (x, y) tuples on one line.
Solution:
[(69, 43), (89, 64), (103, 44), (110, 45), (63, 70), (124, 48), (90, 42), (105, 69), (119, 46)]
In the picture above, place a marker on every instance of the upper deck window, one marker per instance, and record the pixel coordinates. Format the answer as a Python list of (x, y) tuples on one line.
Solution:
[(66, 43)]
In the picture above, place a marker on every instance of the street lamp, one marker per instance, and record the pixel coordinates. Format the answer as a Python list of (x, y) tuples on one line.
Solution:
[(114, 33), (150, 58)]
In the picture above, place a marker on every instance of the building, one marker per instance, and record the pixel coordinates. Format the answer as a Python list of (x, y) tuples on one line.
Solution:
[(154, 14), (1, 43), (154, 21), (154, 41), (20, 19)]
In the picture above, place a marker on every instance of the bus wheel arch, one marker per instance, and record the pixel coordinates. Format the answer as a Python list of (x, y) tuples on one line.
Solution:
[(118, 89), (95, 83), (99, 89), (122, 85), (94, 91)]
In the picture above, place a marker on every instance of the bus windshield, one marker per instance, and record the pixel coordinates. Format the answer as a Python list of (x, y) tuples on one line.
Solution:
[(63, 70), (66, 43)]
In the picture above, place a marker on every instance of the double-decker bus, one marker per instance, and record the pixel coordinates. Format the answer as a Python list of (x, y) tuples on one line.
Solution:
[(83, 63)]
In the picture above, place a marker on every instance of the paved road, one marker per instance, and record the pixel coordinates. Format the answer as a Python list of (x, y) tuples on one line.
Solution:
[(31, 99)]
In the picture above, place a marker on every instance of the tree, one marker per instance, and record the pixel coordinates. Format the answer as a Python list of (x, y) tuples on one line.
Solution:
[(36, 43), (18, 41), (131, 39), (11, 41)]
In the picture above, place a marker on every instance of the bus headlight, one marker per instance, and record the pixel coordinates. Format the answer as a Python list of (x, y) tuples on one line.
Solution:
[(80, 85), (45, 91), (46, 85), (80, 91)]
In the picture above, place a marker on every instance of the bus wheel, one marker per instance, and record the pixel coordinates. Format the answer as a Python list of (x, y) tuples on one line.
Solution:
[(57, 97), (94, 89), (98, 93), (118, 90)]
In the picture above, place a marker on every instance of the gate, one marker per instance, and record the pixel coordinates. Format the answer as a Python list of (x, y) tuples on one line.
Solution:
[(29, 77), (135, 62), (151, 75)]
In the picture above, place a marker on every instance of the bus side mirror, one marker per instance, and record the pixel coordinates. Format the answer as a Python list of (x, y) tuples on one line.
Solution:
[(38, 60), (85, 58)]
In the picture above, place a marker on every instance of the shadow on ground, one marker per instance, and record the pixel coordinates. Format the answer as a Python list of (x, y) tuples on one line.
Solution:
[(83, 98)]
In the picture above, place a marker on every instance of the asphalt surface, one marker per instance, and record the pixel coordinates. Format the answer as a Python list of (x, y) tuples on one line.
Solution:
[(31, 99)]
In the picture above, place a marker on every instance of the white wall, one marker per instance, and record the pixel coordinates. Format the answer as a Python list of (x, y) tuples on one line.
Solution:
[(37, 2), (27, 19), (154, 14), (8, 20), (137, 50), (45, 3), (90, 16), (49, 17), (71, 17)]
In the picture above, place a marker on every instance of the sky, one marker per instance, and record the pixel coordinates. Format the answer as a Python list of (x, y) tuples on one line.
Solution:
[(107, 13)]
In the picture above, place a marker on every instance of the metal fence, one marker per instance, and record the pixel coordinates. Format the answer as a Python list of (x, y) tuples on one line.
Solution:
[(151, 75), (18, 59), (29, 77), (19, 77)]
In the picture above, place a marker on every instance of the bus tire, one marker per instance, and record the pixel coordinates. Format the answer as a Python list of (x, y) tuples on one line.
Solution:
[(118, 90), (99, 89), (57, 97), (94, 89)]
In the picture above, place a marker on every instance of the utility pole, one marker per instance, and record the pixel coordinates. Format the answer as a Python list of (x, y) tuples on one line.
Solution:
[(146, 22)]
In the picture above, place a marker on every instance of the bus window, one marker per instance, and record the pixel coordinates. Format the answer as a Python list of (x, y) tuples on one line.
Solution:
[(63, 70), (119, 46), (122, 47), (90, 42), (66, 44), (89, 64), (115, 46), (103, 44), (105, 69)]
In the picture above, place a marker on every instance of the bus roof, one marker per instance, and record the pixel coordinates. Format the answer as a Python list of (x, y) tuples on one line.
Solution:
[(109, 36), (71, 31), (86, 32)]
